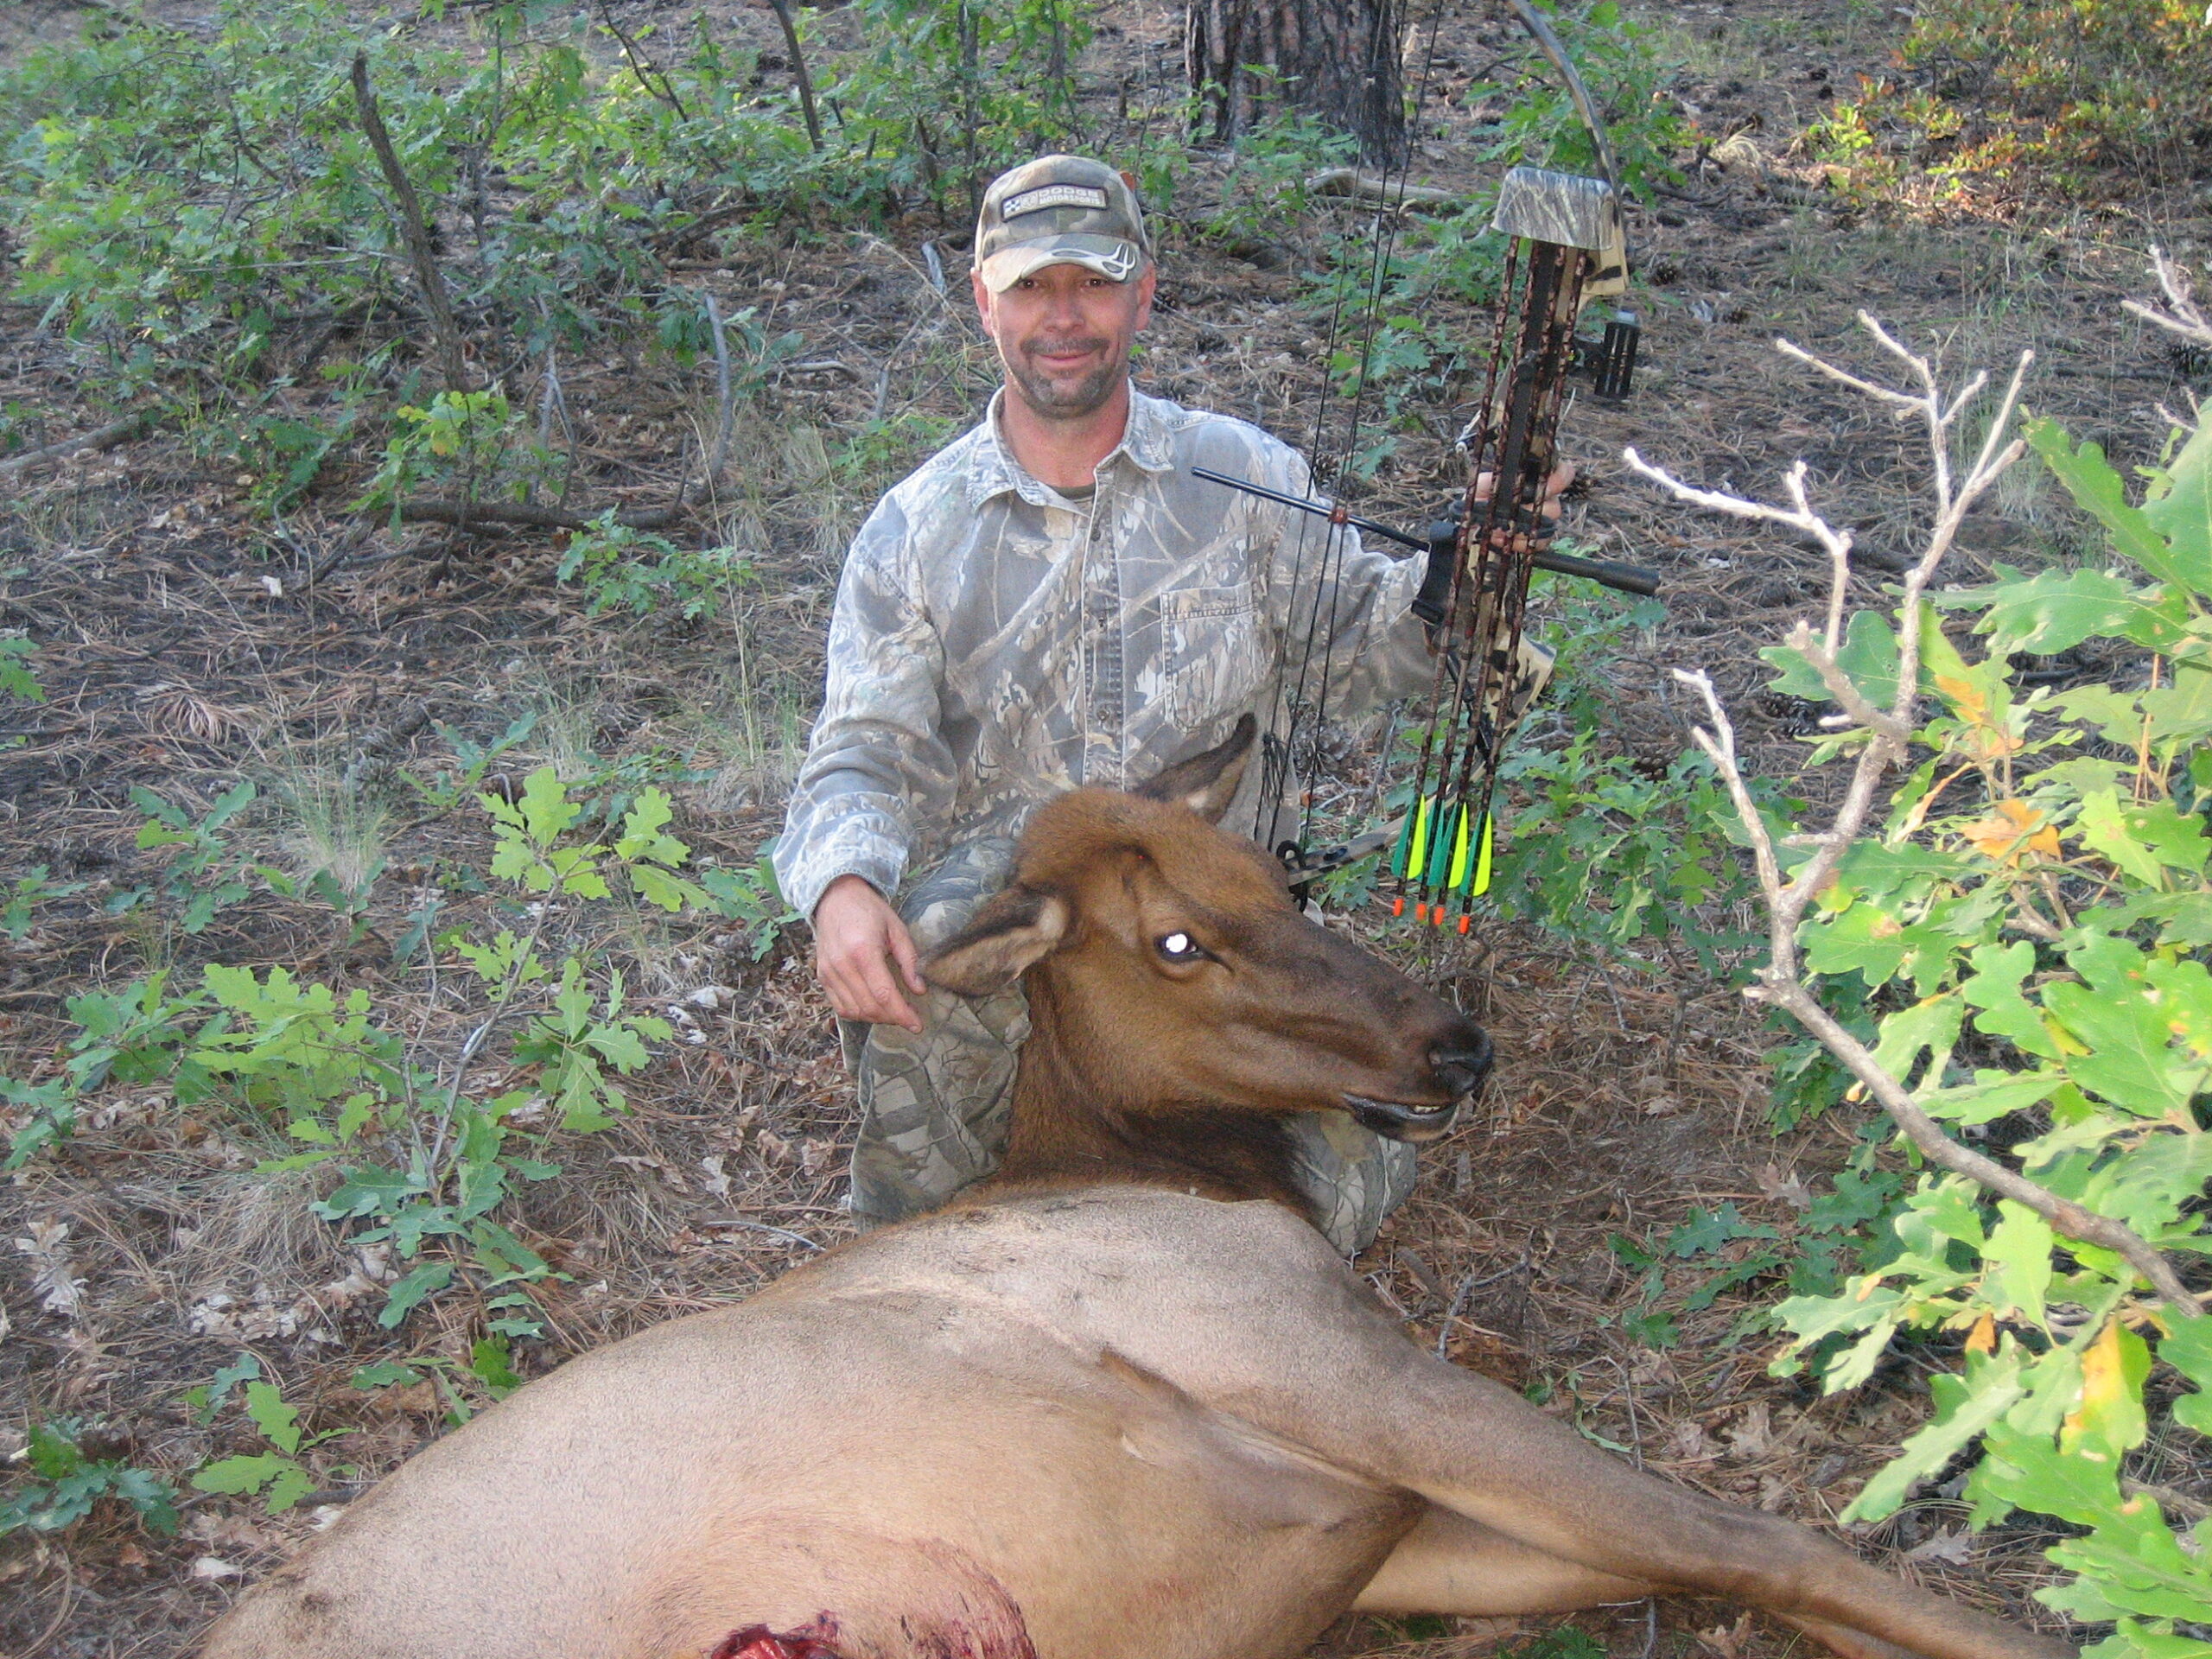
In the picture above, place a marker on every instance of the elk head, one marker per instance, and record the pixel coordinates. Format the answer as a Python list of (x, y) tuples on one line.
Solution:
[(1168, 968)]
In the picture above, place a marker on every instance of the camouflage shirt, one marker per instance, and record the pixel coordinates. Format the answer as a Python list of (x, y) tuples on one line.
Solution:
[(994, 643)]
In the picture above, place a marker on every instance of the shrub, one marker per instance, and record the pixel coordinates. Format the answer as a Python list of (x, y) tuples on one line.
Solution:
[(2026, 929)]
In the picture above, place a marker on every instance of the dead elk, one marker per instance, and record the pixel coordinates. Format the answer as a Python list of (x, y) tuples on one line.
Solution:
[(1120, 1402)]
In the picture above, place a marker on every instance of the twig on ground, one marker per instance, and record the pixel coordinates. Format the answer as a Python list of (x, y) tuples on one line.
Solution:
[(413, 231), (785, 1233), (466, 515), (106, 437)]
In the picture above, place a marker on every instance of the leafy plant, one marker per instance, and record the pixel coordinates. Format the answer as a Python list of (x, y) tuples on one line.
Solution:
[(447, 789), (750, 896), (136, 1035), (30, 890), (489, 1370), (2100, 80), (278, 1473), (66, 1481), (459, 1166), (2027, 925), (635, 571), (203, 877), (472, 443), (16, 679), (1626, 76)]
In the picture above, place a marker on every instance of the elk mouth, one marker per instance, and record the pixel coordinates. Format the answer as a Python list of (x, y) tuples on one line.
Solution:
[(1398, 1120)]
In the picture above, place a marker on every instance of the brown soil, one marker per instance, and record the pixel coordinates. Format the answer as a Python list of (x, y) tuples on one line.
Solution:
[(186, 641)]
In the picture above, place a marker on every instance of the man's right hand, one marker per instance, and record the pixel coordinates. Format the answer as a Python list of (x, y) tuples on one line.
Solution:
[(861, 952)]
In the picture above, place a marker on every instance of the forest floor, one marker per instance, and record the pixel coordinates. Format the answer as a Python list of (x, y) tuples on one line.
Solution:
[(186, 642)]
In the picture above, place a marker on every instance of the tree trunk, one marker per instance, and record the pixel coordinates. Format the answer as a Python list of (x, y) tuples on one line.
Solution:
[(1337, 59)]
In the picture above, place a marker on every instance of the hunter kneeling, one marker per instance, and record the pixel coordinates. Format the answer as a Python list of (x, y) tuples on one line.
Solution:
[(1121, 1400)]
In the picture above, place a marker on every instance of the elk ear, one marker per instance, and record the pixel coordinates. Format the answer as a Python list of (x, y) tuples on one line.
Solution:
[(1207, 783), (1017, 928)]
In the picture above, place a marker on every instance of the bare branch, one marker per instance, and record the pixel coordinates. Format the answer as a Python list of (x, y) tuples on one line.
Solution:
[(1900, 400), (414, 232), (2065, 1216), (2184, 317), (1848, 695), (1799, 516)]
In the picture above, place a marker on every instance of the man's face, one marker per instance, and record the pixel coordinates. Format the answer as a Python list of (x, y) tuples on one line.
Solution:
[(1064, 333)]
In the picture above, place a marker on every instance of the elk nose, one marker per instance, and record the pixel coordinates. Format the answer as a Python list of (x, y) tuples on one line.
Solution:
[(1462, 1061)]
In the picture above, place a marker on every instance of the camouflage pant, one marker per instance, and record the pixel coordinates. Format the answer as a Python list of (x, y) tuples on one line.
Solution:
[(934, 1107)]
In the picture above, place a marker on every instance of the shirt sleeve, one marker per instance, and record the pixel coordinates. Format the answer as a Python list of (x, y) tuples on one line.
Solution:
[(877, 767), (1343, 608)]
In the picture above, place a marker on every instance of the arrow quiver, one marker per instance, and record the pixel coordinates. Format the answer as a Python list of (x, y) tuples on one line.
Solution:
[(1568, 248)]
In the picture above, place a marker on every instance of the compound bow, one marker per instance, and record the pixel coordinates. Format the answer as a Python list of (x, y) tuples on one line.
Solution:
[(1567, 250)]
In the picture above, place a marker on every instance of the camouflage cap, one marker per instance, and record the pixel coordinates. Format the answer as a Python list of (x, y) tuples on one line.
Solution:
[(1059, 210)]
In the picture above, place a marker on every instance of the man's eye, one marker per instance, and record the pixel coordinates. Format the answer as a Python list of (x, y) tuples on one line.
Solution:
[(1179, 947)]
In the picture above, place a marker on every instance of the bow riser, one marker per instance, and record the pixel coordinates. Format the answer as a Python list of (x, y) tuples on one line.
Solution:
[(1568, 248)]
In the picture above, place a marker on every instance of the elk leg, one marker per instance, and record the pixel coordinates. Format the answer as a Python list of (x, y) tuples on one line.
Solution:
[(1468, 1445), (1448, 1564)]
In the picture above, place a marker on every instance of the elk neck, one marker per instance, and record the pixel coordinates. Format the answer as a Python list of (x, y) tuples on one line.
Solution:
[(1076, 1122)]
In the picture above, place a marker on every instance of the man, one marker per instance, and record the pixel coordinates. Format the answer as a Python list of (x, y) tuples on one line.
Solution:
[(1054, 601)]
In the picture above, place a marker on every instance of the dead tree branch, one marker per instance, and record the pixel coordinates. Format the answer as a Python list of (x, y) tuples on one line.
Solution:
[(106, 438), (468, 515), (2183, 315), (800, 78), (1888, 732)]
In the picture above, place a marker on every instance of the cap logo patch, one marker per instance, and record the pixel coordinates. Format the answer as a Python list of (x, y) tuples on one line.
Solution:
[(1053, 195)]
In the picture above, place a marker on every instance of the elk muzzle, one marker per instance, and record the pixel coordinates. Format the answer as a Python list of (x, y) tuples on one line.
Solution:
[(1458, 1064)]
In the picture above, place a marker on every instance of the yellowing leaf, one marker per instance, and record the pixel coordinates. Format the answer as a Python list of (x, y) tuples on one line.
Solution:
[(2016, 828), (1966, 698), (2109, 1419), (1982, 1339)]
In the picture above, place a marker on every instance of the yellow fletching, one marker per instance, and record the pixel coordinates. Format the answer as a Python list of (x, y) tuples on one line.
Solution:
[(1420, 846), (1482, 863), (1459, 853)]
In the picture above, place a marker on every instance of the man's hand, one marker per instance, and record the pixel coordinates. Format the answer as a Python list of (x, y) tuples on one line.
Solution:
[(858, 941), (1555, 487)]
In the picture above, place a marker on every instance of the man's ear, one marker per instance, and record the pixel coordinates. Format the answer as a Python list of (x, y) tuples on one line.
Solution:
[(1207, 783), (1017, 928)]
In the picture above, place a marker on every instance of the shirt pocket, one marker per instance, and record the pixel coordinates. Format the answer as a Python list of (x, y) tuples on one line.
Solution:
[(1211, 647)]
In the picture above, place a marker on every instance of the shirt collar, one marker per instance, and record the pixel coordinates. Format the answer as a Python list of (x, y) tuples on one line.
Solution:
[(994, 471)]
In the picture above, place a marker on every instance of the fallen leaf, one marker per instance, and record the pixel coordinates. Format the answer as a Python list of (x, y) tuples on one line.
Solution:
[(56, 1286), (1752, 1433), (1785, 1189), (1953, 1545)]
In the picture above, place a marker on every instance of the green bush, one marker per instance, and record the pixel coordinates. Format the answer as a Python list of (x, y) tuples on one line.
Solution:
[(2103, 80), (62, 1481), (2032, 926)]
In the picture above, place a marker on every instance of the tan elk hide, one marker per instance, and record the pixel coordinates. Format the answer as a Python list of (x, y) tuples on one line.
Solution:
[(1121, 1401)]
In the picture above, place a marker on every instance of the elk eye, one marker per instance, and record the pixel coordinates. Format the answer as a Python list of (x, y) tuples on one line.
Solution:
[(1179, 947)]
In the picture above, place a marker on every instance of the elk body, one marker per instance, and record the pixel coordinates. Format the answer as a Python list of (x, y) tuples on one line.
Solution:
[(1120, 1402)]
